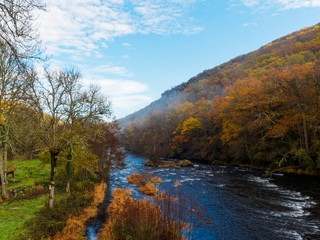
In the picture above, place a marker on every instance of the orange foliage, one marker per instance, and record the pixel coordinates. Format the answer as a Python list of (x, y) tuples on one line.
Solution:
[(136, 179), (75, 228), (156, 180), (149, 189), (132, 219), (146, 184)]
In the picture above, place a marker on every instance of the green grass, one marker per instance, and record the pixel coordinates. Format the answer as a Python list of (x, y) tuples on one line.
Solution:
[(14, 214), (29, 172)]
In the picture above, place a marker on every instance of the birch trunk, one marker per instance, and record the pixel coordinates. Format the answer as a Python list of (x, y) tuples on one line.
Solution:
[(54, 156)]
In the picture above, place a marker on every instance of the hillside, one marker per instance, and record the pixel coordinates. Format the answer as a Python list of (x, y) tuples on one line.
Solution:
[(260, 108), (285, 48)]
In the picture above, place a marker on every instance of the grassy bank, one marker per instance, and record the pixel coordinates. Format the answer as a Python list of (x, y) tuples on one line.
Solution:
[(30, 173), (15, 212), (26, 216)]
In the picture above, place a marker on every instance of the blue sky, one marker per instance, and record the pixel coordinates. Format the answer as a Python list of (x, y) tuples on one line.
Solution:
[(137, 49)]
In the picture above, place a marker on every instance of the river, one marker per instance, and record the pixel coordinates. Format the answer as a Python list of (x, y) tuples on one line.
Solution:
[(241, 203)]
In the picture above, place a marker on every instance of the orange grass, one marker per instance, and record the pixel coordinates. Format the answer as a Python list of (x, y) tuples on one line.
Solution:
[(145, 183), (137, 179), (75, 228), (149, 189), (156, 180), (132, 219)]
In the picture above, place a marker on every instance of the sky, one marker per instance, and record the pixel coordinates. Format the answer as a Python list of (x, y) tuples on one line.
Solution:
[(136, 49)]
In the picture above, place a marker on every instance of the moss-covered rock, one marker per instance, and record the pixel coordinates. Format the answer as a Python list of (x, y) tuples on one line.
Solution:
[(184, 163), (149, 163)]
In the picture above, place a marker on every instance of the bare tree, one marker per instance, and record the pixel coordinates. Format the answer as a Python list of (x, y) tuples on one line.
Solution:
[(19, 46), (12, 90), (60, 103), (48, 101), (80, 107), (18, 31)]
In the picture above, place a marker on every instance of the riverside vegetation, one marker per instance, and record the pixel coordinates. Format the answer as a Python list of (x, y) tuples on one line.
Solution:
[(261, 109), (166, 215)]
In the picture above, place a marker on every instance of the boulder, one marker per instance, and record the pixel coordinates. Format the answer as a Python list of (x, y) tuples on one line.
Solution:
[(184, 163), (149, 163)]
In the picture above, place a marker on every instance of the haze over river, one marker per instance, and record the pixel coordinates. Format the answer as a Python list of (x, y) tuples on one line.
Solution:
[(242, 204)]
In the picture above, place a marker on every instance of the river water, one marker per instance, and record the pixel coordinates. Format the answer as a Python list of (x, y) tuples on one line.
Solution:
[(241, 203)]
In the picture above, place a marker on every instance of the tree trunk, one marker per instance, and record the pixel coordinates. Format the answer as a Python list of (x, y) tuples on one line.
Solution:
[(5, 155), (2, 174), (68, 169), (305, 132), (54, 156)]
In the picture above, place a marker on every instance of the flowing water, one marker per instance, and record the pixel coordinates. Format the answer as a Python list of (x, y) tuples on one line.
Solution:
[(241, 203)]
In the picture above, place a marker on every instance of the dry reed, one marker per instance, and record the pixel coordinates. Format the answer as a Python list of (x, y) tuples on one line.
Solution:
[(75, 228)]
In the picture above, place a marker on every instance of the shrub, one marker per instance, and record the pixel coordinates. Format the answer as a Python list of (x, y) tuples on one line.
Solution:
[(145, 183), (156, 180), (149, 189), (163, 217), (137, 179), (132, 219)]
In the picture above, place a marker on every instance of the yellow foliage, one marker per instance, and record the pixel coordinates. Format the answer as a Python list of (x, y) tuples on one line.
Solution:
[(190, 124), (120, 197)]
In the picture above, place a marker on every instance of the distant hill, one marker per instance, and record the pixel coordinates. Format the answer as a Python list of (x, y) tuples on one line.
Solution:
[(227, 73), (260, 109)]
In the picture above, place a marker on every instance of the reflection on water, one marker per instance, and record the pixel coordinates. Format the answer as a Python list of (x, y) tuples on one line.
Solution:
[(242, 204)]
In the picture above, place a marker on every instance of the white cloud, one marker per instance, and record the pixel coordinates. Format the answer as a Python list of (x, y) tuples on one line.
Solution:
[(250, 3), (76, 31), (126, 96), (250, 24), (82, 26), (110, 69), (127, 44), (282, 4), (129, 104), (118, 87)]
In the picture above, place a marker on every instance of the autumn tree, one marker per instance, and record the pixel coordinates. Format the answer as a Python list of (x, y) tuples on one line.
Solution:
[(80, 108), (12, 90), (106, 145), (19, 45), (84, 110), (58, 107)]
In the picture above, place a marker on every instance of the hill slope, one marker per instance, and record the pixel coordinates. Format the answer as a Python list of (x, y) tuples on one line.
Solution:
[(284, 47), (241, 109)]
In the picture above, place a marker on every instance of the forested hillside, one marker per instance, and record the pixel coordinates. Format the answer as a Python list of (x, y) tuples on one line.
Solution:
[(260, 109)]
